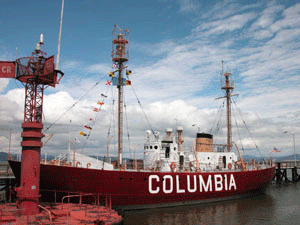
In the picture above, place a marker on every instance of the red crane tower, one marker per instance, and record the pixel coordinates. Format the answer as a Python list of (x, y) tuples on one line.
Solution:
[(36, 73)]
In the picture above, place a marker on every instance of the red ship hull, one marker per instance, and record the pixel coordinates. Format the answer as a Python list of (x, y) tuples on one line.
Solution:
[(143, 189)]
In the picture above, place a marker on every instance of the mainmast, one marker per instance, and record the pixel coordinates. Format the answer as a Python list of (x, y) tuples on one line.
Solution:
[(120, 57), (228, 86)]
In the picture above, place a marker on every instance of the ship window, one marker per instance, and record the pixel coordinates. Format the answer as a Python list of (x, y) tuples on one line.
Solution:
[(181, 160), (155, 147), (150, 146), (145, 179), (174, 148), (121, 178), (207, 157), (130, 178)]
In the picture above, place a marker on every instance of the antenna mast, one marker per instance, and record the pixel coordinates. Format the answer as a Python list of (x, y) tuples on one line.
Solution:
[(120, 55), (59, 35)]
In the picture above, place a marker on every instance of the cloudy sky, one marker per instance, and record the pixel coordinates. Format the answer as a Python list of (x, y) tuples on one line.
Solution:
[(175, 52)]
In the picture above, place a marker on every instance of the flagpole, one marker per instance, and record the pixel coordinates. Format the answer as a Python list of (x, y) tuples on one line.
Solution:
[(294, 150), (294, 146)]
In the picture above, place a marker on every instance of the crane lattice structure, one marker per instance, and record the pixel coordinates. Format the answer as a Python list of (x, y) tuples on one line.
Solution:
[(36, 73)]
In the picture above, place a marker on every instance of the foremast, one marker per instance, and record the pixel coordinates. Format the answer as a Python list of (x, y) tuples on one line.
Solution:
[(228, 86), (120, 55)]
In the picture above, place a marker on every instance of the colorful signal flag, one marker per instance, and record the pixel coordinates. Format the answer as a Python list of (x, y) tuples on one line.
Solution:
[(82, 133), (87, 127)]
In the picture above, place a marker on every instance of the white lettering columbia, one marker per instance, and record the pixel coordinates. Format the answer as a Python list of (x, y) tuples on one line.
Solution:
[(220, 183)]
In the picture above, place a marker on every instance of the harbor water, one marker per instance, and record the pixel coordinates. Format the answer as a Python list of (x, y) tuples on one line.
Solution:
[(279, 205)]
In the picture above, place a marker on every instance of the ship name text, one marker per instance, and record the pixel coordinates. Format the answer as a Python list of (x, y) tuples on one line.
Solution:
[(193, 183)]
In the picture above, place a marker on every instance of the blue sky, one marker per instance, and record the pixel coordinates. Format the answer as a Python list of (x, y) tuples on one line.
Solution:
[(176, 48)]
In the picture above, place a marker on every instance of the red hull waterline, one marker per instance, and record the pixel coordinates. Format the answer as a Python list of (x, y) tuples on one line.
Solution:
[(143, 189)]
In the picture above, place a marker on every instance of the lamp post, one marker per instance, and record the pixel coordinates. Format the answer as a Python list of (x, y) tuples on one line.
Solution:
[(195, 125), (294, 145)]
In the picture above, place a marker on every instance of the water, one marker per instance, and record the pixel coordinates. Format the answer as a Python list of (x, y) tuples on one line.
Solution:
[(280, 205)]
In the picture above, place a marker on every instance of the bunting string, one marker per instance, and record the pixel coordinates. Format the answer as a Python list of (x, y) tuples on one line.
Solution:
[(74, 104)]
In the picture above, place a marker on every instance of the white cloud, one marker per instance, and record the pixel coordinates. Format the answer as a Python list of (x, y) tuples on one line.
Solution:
[(290, 19), (11, 105), (3, 83), (267, 16), (220, 26), (187, 6), (98, 68), (70, 64)]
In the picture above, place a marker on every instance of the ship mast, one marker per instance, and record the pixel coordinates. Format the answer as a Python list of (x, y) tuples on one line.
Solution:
[(228, 86), (119, 58)]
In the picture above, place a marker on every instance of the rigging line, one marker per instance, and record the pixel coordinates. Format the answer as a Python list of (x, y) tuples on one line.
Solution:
[(216, 118), (112, 114), (94, 121), (127, 127), (74, 104), (248, 130), (219, 117), (238, 130), (142, 109), (112, 118)]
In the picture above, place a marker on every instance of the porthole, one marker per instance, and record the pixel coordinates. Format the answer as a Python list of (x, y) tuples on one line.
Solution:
[(130, 178), (155, 147), (121, 178)]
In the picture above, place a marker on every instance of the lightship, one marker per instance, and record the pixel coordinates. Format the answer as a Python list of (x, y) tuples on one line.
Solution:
[(170, 175)]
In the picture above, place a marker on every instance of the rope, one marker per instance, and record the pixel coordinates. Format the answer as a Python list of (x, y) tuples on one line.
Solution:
[(142, 109), (114, 121), (111, 120), (238, 130), (127, 127), (219, 116), (74, 104), (251, 136)]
